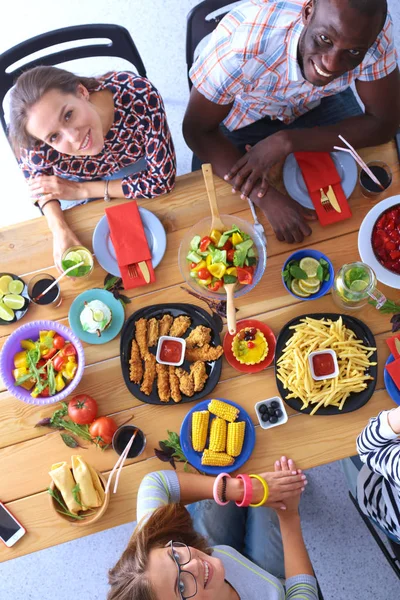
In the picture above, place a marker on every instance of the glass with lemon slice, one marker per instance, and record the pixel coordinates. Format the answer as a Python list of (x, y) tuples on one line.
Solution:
[(354, 285), (79, 256)]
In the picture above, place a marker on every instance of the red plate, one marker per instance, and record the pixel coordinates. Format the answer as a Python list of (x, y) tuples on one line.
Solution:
[(269, 336)]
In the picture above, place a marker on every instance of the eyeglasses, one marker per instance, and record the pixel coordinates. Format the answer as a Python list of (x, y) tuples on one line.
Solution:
[(187, 584)]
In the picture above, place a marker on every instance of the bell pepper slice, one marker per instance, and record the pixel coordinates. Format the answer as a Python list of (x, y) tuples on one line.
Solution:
[(217, 270), (60, 383), (215, 236), (204, 243), (28, 344), (236, 239), (201, 265), (232, 271), (20, 360), (244, 276)]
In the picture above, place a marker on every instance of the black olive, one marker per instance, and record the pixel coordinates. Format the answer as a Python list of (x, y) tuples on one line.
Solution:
[(265, 417), (273, 419), (262, 409), (271, 411), (274, 404)]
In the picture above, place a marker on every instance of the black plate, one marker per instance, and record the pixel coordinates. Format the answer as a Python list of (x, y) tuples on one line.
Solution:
[(355, 400), (199, 317), (18, 314)]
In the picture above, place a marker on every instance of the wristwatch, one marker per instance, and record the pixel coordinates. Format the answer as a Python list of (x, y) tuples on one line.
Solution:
[(106, 194)]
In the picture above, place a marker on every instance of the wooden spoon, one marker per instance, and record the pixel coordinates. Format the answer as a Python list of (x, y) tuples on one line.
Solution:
[(216, 222)]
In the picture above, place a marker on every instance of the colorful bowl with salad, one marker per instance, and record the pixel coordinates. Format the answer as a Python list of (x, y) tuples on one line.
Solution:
[(42, 362), (209, 258)]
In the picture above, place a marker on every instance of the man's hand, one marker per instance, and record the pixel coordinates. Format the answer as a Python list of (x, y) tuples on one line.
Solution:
[(63, 238), (287, 217), (253, 167), (51, 187)]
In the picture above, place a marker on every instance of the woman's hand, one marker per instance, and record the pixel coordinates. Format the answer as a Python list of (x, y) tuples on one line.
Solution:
[(283, 485), (286, 466), (63, 238), (51, 187)]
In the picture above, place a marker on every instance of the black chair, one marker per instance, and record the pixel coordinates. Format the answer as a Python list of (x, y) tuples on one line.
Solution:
[(200, 24), (120, 45)]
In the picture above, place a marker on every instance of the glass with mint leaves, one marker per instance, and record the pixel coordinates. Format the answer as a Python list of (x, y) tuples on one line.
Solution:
[(81, 258), (355, 285)]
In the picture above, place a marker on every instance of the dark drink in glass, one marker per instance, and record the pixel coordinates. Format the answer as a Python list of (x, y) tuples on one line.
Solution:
[(383, 174), (122, 437), (38, 284)]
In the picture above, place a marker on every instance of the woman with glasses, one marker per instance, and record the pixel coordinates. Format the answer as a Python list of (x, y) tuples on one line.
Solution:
[(214, 549)]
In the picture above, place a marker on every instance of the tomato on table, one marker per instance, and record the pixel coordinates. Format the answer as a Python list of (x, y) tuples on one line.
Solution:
[(203, 273), (205, 242), (58, 342), (82, 409), (102, 430)]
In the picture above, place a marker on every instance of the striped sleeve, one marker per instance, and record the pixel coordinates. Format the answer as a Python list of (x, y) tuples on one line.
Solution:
[(381, 58), (157, 489), (379, 448), (301, 587)]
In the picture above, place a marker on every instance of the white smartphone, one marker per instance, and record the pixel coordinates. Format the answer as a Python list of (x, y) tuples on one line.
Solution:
[(11, 530)]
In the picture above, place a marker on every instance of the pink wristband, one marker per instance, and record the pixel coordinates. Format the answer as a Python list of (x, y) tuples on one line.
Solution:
[(215, 489), (248, 491)]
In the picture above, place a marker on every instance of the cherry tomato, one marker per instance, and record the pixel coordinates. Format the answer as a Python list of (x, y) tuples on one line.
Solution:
[(203, 273), (59, 362), (102, 430), (244, 276), (227, 246), (69, 350), (82, 409), (58, 342), (50, 353), (204, 243), (250, 344), (230, 254), (193, 265), (214, 287)]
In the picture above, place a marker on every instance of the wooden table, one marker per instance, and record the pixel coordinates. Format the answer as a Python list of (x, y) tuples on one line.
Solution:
[(26, 453)]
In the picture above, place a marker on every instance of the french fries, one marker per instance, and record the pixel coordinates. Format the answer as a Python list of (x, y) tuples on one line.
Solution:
[(353, 360)]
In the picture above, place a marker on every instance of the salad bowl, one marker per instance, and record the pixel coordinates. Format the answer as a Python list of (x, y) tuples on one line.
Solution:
[(202, 229)]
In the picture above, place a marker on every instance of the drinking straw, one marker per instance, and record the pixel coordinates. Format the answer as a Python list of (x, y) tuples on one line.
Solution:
[(359, 160), (57, 280), (120, 464)]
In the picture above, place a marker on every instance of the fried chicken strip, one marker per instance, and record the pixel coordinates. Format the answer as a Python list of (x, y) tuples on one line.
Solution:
[(186, 384), (174, 385), (152, 332), (135, 364), (165, 324), (198, 337), (141, 336), (149, 374), (199, 375), (164, 392), (206, 353), (180, 326)]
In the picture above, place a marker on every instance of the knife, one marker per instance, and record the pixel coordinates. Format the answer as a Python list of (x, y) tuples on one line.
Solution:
[(333, 200), (145, 271), (397, 344)]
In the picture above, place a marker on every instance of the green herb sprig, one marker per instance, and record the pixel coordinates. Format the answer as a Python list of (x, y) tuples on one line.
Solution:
[(293, 271)]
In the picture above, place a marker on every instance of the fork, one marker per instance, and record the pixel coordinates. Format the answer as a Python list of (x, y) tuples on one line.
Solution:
[(257, 225), (132, 270), (325, 201)]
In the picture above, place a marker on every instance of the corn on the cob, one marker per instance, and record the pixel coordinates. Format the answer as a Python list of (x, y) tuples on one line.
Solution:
[(216, 459), (218, 435), (200, 420), (223, 410), (235, 438)]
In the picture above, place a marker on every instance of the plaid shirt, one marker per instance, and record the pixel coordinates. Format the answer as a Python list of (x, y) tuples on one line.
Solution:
[(251, 60)]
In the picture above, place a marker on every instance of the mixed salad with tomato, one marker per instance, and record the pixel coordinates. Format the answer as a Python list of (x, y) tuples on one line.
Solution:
[(45, 366), (222, 257)]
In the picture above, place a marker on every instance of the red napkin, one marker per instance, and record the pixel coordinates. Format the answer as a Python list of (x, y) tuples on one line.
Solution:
[(392, 345), (129, 241), (319, 171), (393, 369)]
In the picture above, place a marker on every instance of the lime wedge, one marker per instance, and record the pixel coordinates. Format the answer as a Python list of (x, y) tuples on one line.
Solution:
[(308, 289), (13, 301), (297, 290), (358, 285), (98, 316), (5, 281), (6, 313), (73, 257), (15, 286), (311, 282), (309, 265), (85, 256)]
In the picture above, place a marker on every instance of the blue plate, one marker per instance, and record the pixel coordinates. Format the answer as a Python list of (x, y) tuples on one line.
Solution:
[(390, 385), (118, 316), (104, 250), (325, 285), (295, 186), (195, 457)]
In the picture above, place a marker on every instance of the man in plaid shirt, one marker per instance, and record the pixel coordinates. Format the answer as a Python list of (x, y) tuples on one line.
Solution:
[(275, 67)]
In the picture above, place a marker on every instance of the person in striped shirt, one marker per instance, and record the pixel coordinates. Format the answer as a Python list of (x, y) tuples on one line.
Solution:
[(275, 67), (211, 552), (378, 482)]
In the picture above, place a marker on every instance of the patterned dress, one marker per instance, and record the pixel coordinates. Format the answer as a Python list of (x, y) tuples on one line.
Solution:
[(140, 130)]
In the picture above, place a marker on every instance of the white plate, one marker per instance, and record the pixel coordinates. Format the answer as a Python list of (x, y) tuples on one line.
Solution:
[(104, 250), (295, 186), (365, 246)]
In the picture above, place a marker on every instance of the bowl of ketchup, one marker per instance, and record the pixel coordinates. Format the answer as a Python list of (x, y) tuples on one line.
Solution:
[(323, 364), (171, 350)]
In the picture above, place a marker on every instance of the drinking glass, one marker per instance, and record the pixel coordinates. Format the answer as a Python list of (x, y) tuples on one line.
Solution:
[(77, 254), (355, 285), (382, 172), (38, 284)]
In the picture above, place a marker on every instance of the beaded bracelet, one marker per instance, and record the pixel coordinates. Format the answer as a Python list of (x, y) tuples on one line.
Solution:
[(248, 491), (222, 501), (266, 491)]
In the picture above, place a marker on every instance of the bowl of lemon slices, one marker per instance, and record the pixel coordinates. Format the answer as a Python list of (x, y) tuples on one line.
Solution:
[(308, 274)]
